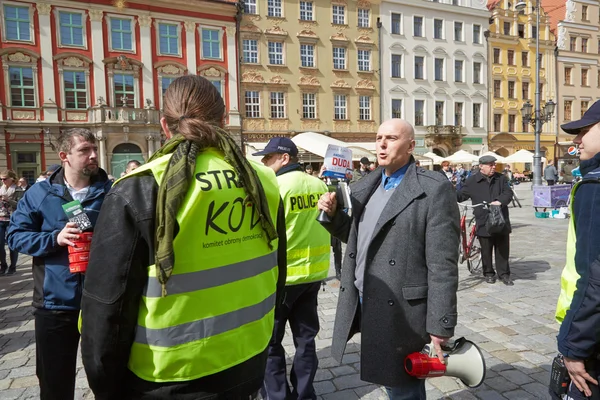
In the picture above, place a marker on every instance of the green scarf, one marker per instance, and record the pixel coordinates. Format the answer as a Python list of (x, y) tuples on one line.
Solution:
[(174, 187)]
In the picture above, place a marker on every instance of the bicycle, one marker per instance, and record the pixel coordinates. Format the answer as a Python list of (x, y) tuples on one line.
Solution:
[(469, 247), (515, 197)]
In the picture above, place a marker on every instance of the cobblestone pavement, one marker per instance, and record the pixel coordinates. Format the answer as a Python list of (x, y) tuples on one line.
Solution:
[(514, 326)]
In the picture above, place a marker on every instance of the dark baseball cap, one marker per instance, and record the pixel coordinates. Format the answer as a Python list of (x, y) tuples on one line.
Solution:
[(590, 118), (279, 145), (365, 161), (487, 159)]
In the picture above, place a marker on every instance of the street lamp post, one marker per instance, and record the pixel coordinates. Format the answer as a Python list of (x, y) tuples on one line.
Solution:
[(539, 117)]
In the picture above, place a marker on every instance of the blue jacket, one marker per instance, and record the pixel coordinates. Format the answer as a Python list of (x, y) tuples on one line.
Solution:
[(579, 335), (33, 230)]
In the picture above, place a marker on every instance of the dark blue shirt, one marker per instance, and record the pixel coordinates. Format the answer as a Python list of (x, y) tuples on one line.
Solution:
[(392, 182)]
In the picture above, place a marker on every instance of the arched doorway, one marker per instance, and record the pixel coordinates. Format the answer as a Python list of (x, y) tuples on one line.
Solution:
[(439, 152), (502, 152), (122, 154)]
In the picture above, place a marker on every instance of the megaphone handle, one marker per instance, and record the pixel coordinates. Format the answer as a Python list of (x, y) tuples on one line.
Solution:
[(323, 218)]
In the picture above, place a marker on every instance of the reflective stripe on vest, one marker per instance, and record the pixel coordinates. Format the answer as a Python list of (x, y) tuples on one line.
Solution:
[(569, 276), (308, 243), (219, 308)]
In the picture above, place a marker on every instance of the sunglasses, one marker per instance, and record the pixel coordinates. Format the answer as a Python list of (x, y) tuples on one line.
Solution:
[(4, 179)]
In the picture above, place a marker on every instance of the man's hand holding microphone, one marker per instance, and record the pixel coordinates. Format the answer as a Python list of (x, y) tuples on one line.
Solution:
[(328, 203)]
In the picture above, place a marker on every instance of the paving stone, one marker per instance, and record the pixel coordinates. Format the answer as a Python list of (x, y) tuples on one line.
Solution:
[(5, 383), (323, 375), (24, 382), (342, 370), (537, 389), (446, 384), (500, 383), (517, 395), (369, 392), (490, 395), (11, 394), (341, 395), (516, 377), (324, 387), (349, 382)]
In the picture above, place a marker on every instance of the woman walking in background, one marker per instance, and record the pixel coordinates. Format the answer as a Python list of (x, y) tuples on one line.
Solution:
[(8, 204)]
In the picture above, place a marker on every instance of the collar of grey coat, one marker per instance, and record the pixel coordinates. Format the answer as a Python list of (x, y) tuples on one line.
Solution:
[(408, 190)]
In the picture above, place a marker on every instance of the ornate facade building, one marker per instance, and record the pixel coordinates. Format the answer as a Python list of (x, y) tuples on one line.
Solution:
[(577, 28), (309, 66), (512, 55), (435, 71), (105, 67)]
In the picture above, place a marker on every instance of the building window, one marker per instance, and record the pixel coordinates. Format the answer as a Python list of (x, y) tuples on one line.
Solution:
[(458, 70), (497, 85), (511, 122), (521, 31), (476, 72), (250, 52), (477, 34), (277, 105), (275, 53), (567, 109), (274, 8), (533, 31), (339, 15), (339, 58), (252, 101), (476, 115), (584, 106), (396, 108), (250, 7), (584, 77), (455, 2), (568, 75), (438, 29), (168, 37), (507, 28), (124, 90), (22, 88), (396, 23), (419, 67), (364, 108), (525, 90), (458, 114), (541, 88), (419, 112), (525, 59), (458, 32), (121, 34), (511, 89), (584, 13), (363, 18), (309, 105), (598, 46), (496, 56), (541, 60), (573, 43), (217, 83), (396, 66), (439, 113), (71, 29), (364, 60), (511, 57), (339, 106), (307, 55), (306, 10), (439, 69), (418, 26), (211, 43), (75, 90), (524, 126), (497, 122), (166, 82), (16, 20), (584, 45)]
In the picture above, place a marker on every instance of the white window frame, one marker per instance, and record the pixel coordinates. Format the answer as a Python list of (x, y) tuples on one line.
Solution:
[(3, 22), (478, 37), (423, 72), (400, 66), (136, 87), (157, 24), (109, 18), (341, 13), (309, 105), (364, 108), (340, 107), (443, 74), (250, 51), (208, 73), (57, 11), (392, 108), (400, 26), (250, 4), (256, 102), (36, 87), (362, 21), (462, 71), (275, 53), (305, 53), (63, 95), (271, 6), (442, 31), (422, 25), (476, 75), (306, 11), (360, 55), (201, 28), (477, 123), (279, 105), (343, 59), (461, 39)]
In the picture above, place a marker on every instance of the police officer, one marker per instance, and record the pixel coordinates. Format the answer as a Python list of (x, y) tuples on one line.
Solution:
[(308, 258), (185, 264)]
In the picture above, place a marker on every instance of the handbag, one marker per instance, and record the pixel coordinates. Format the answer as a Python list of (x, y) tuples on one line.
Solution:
[(495, 222)]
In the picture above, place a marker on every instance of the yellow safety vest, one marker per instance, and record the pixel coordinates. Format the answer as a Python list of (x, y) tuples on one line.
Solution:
[(308, 243), (569, 276), (219, 308)]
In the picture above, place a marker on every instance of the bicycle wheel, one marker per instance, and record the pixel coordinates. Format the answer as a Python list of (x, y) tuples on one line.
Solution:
[(474, 259)]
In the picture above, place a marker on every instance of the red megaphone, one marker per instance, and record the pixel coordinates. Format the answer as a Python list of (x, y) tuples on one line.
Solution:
[(423, 366)]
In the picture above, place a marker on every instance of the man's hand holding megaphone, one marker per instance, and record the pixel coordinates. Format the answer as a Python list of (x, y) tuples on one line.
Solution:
[(328, 203), (438, 342)]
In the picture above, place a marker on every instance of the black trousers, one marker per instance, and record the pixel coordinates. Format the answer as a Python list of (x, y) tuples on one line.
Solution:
[(336, 245), (551, 182), (56, 341), (300, 309), (500, 245)]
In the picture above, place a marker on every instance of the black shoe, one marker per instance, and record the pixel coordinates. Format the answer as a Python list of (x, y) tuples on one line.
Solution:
[(3, 270), (507, 281), (11, 271), (490, 279)]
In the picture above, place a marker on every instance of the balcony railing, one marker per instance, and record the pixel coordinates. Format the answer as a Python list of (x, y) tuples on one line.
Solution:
[(444, 130), (117, 115)]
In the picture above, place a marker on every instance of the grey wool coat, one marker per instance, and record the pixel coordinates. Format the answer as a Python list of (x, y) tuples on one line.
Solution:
[(411, 276)]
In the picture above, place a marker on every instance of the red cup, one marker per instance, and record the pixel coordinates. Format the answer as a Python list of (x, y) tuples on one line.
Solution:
[(79, 254)]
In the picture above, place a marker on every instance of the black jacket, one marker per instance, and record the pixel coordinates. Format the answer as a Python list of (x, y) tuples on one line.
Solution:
[(117, 272), (479, 189)]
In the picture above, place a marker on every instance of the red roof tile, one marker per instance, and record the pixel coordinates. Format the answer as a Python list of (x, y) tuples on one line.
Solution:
[(555, 9)]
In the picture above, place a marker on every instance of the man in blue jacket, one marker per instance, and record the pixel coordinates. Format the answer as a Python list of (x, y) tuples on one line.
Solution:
[(579, 335), (40, 228)]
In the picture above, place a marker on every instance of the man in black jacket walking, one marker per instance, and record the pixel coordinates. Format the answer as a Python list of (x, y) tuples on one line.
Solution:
[(492, 187)]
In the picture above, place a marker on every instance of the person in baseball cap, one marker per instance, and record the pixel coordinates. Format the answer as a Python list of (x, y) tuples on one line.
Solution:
[(587, 130), (279, 152)]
